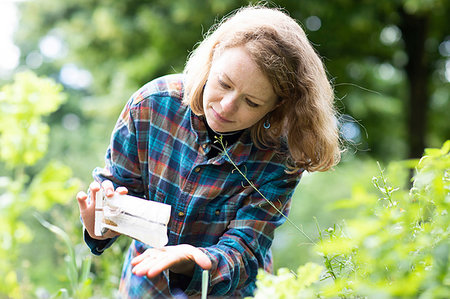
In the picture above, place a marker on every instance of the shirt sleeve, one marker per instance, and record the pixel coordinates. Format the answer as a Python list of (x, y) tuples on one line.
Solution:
[(245, 246), (122, 166), (97, 246)]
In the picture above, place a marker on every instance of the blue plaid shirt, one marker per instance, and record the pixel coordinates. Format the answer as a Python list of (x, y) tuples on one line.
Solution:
[(158, 151)]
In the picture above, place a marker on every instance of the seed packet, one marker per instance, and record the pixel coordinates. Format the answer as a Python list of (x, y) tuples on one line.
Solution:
[(140, 219)]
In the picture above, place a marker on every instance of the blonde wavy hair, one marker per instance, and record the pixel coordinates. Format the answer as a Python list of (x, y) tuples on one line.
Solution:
[(306, 118)]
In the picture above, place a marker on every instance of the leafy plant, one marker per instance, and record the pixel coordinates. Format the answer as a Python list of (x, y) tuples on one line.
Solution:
[(396, 245), (77, 271), (287, 284), (23, 142), (23, 133)]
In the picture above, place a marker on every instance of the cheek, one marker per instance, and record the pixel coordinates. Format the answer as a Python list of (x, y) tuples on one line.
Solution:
[(205, 98), (255, 116), (249, 118), (206, 93), (209, 96)]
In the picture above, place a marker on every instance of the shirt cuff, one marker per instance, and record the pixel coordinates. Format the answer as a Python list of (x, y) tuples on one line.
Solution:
[(195, 286), (178, 283), (97, 246)]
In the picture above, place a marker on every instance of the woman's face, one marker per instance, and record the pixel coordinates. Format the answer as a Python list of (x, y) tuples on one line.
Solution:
[(237, 94)]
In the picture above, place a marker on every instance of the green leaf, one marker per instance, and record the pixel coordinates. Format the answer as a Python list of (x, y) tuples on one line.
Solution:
[(309, 273), (23, 134), (54, 184), (71, 258)]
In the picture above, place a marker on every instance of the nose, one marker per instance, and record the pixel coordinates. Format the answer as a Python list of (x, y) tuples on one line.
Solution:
[(229, 103)]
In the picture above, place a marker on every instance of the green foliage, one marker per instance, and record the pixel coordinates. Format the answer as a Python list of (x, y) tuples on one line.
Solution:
[(23, 140), (395, 245), (287, 284), (123, 44), (365, 56), (142, 38), (23, 134), (80, 282), (310, 200)]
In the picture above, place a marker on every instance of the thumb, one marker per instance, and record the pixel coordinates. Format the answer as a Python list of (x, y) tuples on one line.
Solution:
[(202, 259)]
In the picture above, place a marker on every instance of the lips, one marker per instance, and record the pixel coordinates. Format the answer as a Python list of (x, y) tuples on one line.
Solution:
[(219, 117)]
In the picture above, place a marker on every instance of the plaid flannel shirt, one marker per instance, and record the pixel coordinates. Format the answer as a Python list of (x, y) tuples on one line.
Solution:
[(158, 151)]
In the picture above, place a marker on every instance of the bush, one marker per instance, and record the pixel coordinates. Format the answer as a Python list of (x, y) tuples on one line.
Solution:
[(23, 143), (396, 245)]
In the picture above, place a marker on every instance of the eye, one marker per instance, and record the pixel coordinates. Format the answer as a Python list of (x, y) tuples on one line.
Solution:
[(224, 85), (251, 104)]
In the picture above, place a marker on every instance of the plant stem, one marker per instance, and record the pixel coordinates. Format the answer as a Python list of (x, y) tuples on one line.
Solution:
[(220, 140)]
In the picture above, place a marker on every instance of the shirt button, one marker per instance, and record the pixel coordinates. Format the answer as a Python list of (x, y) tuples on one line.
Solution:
[(197, 169), (180, 214), (217, 212)]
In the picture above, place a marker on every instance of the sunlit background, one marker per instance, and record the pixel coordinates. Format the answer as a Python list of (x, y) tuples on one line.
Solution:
[(51, 47), (101, 51), (9, 53)]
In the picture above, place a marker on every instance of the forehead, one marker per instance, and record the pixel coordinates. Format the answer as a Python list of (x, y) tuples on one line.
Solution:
[(239, 67), (234, 58)]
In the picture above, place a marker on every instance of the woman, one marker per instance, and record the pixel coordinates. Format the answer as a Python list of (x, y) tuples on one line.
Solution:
[(255, 83)]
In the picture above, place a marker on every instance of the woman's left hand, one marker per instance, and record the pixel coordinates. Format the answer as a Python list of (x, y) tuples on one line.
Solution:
[(179, 259)]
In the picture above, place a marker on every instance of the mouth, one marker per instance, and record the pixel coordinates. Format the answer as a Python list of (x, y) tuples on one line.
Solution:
[(219, 117)]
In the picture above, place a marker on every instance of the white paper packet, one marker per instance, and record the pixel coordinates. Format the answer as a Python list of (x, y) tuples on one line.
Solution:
[(140, 219)]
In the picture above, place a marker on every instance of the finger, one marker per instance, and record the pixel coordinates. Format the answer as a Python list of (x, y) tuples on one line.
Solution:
[(81, 197), (108, 186), (202, 259), (144, 266), (122, 190), (136, 260), (159, 265), (94, 187), (147, 253), (110, 234)]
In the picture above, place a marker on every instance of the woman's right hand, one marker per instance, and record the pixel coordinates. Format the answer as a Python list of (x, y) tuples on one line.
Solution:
[(87, 208)]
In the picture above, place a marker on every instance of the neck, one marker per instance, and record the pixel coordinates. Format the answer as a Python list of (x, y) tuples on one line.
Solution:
[(225, 133), (221, 133)]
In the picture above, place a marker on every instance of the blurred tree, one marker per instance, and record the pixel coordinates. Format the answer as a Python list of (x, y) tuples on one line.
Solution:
[(397, 52), (136, 39), (388, 59), (102, 51)]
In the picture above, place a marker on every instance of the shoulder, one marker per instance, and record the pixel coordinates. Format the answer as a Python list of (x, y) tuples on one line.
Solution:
[(279, 154), (169, 86), (263, 164), (272, 162)]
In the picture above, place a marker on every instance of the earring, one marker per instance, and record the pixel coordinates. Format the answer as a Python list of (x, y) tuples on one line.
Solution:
[(267, 124)]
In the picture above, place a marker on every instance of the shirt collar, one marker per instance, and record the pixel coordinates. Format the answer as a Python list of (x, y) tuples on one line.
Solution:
[(239, 152)]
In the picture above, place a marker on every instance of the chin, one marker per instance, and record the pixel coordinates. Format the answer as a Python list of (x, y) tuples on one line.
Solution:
[(219, 129)]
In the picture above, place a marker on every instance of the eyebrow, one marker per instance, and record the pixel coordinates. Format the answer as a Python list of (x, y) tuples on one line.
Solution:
[(251, 96)]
